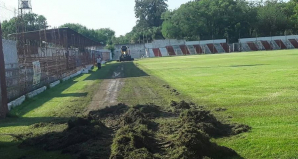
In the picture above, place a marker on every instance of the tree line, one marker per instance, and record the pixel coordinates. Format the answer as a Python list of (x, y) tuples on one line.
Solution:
[(195, 20)]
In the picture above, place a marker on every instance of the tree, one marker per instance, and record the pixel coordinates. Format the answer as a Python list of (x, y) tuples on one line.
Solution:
[(148, 12), (104, 35), (29, 22), (272, 20)]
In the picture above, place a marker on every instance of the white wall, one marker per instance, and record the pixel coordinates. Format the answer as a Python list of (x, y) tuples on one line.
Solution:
[(10, 53), (245, 40), (204, 42)]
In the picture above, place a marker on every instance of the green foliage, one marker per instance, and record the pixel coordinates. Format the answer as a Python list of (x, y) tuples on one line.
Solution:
[(104, 35), (30, 22), (228, 19), (148, 12)]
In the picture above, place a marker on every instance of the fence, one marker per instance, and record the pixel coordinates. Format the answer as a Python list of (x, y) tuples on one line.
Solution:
[(37, 59)]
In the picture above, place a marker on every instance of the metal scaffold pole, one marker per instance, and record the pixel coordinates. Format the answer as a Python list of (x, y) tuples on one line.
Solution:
[(3, 109)]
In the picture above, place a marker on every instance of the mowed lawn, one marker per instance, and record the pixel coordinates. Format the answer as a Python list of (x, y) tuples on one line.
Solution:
[(259, 89), (49, 112)]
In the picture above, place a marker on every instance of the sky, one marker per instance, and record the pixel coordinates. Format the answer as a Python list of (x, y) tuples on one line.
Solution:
[(117, 15)]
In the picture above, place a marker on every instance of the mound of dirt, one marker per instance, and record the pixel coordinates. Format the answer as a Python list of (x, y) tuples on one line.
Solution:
[(121, 131), (133, 116), (191, 143), (220, 109), (82, 137), (181, 105), (173, 91), (207, 122), (109, 111), (133, 142), (150, 110)]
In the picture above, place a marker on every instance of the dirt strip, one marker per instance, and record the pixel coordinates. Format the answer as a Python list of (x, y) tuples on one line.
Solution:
[(107, 92)]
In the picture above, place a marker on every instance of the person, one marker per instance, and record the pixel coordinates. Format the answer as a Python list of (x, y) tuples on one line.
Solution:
[(98, 62)]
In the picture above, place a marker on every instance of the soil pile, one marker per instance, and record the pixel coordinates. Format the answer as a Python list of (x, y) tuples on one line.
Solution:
[(84, 137), (120, 132)]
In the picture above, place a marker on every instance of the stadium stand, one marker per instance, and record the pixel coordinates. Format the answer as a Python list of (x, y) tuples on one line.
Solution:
[(274, 45), (151, 53), (184, 50), (280, 44), (170, 50), (206, 49), (191, 49), (199, 49), (177, 50), (246, 47), (288, 44), (259, 45), (225, 46), (294, 42), (252, 46), (163, 51), (219, 48), (212, 48), (266, 45), (156, 52)]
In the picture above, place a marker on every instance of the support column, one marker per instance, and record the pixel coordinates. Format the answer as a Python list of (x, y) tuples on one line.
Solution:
[(3, 108)]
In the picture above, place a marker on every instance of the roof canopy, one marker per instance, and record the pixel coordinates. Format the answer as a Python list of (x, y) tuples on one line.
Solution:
[(60, 36)]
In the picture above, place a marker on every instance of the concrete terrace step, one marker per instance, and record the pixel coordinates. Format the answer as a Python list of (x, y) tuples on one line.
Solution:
[(259, 45), (206, 49), (274, 45), (219, 48), (245, 47), (191, 49), (288, 44)]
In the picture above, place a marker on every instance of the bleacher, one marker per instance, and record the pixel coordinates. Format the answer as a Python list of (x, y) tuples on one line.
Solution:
[(219, 48), (206, 49), (259, 45), (274, 45), (177, 50), (245, 47), (288, 44), (191, 49)]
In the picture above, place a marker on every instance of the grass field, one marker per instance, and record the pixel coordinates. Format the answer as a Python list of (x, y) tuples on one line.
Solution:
[(54, 108), (257, 88)]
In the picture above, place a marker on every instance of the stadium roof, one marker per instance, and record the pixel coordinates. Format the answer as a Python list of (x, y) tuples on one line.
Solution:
[(60, 36)]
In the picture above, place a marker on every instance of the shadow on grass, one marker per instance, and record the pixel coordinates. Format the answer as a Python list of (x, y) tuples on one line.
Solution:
[(129, 69), (27, 121), (15, 117), (247, 65)]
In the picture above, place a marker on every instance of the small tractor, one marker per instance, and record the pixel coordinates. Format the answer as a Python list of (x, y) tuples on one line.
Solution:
[(125, 54)]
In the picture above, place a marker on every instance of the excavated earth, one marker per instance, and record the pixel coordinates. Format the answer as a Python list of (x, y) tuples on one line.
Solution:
[(180, 130)]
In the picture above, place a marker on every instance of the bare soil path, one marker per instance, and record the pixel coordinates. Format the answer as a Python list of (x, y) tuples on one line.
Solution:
[(108, 90)]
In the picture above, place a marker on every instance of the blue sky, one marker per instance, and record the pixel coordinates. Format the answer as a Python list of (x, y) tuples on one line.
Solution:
[(115, 14)]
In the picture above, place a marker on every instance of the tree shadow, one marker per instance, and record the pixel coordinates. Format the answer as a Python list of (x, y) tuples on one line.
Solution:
[(247, 65), (118, 70), (15, 117), (27, 121)]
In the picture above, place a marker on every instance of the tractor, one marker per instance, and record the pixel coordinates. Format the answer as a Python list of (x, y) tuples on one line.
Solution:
[(125, 54)]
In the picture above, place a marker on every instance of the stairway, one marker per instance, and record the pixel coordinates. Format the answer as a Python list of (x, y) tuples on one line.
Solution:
[(245, 47), (219, 48), (288, 44), (274, 46), (191, 49)]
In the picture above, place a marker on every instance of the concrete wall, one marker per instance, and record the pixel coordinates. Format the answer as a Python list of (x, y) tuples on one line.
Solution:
[(245, 40), (10, 54), (204, 42), (136, 51), (11, 66)]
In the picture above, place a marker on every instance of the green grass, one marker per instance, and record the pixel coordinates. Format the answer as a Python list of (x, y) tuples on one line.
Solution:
[(258, 89), (56, 106)]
